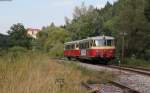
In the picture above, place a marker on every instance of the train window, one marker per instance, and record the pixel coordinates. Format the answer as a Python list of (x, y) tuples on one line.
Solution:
[(68, 46), (73, 46), (80, 45), (99, 42), (105, 42), (110, 42), (94, 44), (90, 43), (86, 45), (83, 45), (77, 45)]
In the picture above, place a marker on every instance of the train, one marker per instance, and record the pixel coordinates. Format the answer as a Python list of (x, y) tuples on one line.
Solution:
[(99, 49)]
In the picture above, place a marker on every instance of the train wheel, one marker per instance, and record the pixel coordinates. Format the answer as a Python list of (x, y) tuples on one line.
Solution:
[(69, 58), (105, 61)]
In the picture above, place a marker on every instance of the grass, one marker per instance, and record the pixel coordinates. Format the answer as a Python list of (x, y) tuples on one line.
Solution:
[(36, 73), (137, 63), (132, 62), (93, 75)]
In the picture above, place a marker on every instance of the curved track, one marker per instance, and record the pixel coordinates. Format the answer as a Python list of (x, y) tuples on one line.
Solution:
[(131, 69), (137, 70)]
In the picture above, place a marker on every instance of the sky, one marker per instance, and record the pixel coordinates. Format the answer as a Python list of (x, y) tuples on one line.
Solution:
[(39, 13)]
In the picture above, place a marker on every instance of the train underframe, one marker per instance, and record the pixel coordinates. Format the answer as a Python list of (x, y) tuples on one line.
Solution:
[(95, 60)]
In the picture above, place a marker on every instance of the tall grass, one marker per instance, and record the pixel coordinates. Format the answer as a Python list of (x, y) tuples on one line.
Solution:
[(92, 75), (36, 73), (30, 72)]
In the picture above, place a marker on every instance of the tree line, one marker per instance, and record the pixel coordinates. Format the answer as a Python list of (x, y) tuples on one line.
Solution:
[(131, 17), (124, 16)]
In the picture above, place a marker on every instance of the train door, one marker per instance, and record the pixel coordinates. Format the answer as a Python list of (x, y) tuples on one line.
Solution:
[(82, 49), (83, 52)]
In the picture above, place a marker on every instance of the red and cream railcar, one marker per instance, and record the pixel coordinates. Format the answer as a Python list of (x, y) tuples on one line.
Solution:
[(100, 47)]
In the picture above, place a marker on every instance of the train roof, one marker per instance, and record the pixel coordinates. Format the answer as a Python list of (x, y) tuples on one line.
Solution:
[(101, 37), (90, 38)]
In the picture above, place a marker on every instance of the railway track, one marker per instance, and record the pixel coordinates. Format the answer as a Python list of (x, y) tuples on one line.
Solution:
[(96, 88), (127, 88), (138, 70), (132, 69)]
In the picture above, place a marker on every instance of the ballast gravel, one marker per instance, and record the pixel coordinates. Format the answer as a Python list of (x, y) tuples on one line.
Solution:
[(133, 80), (107, 88)]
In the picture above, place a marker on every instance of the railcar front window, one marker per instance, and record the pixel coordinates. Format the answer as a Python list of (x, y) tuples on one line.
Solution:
[(110, 42), (99, 42), (105, 42)]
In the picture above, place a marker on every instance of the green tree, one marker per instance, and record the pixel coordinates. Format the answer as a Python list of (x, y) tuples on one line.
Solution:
[(52, 40), (4, 41), (18, 36), (87, 22), (147, 9), (131, 20), (123, 16)]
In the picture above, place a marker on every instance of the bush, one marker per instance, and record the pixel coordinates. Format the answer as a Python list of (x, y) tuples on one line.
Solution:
[(15, 53), (18, 49), (137, 63), (57, 51), (3, 52), (52, 39)]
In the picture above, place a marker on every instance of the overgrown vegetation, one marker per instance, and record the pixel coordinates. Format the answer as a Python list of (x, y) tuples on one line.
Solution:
[(137, 63), (35, 73), (94, 76), (147, 9), (52, 40)]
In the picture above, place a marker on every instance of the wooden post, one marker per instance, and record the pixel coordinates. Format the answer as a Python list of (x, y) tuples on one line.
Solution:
[(122, 52)]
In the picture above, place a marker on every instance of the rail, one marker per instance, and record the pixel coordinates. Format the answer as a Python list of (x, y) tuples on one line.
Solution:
[(135, 70)]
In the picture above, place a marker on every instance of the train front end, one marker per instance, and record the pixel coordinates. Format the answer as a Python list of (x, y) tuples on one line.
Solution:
[(102, 48)]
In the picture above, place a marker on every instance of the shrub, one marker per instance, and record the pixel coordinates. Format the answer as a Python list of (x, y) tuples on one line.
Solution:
[(137, 63), (57, 51), (18, 49)]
